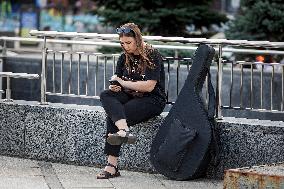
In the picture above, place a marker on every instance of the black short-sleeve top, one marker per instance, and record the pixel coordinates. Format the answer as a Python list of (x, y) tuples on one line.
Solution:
[(134, 73)]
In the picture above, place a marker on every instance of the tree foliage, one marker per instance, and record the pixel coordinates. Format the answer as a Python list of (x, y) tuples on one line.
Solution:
[(160, 17), (258, 20)]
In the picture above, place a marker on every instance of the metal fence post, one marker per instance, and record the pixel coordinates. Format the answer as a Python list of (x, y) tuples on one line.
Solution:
[(1, 70), (4, 48), (219, 84), (8, 91), (43, 73), (4, 53)]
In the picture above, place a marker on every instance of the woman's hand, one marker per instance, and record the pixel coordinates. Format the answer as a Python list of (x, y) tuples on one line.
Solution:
[(141, 86), (115, 88)]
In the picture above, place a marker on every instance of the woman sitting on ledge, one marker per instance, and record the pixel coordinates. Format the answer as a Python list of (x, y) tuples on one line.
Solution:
[(136, 93)]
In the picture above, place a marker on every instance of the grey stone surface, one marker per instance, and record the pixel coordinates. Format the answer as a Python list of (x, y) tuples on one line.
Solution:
[(83, 177), (62, 134), (69, 134), (248, 142), (20, 174), (75, 134), (12, 129), (72, 176)]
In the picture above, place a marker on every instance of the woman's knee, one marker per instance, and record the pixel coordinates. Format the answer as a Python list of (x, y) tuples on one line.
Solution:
[(105, 93)]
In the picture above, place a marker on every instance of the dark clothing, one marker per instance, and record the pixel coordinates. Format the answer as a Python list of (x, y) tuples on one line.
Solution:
[(119, 105), (158, 74), (123, 105)]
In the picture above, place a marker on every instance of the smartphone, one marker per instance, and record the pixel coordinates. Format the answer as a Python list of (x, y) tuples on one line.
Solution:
[(114, 82)]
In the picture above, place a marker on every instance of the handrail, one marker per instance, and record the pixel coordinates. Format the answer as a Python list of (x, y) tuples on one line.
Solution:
[(19, 75), (15, 75), (160, 38), (115, 44)]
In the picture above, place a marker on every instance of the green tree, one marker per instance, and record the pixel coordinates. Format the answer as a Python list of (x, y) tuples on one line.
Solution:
[(258, 20), (160, 17)]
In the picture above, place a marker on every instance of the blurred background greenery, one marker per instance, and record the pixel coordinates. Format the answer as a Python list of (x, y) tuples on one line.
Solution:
[(231, 19)]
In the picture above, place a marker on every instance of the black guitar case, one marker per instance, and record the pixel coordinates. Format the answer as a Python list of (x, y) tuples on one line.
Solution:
[(182, 148)]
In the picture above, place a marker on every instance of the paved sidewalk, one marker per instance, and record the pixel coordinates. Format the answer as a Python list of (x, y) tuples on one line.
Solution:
[(16, 173)]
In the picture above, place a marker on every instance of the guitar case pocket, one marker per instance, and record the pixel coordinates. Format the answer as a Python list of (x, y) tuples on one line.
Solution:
[(176, 145)]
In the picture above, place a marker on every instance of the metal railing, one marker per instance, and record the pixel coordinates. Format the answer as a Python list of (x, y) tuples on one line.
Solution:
[(221, 46), (254, 70), (9, 75)]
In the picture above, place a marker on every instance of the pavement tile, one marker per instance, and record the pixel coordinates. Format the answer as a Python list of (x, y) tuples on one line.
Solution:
[(137, 180), (72, 177), (17, 173), (23, 183), (17, 167), (20, 172), (6, 161), (191, 184)]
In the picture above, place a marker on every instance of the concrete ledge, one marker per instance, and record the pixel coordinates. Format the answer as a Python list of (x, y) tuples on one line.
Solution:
[(74, 134), (68, 134), (264, 176), (248, 142)]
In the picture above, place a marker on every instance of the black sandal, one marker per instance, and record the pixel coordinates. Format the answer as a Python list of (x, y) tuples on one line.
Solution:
[(116, 139), (107, 175)]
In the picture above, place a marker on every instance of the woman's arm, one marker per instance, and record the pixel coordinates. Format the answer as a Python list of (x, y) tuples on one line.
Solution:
[(141, 86)]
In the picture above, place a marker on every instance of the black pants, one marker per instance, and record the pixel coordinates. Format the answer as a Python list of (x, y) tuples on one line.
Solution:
[(120, 105)]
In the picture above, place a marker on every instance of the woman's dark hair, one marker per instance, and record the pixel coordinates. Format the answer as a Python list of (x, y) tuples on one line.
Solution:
[(132, 30)]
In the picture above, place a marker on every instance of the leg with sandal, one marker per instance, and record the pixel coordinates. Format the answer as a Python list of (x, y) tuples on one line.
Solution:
[(123, 111)]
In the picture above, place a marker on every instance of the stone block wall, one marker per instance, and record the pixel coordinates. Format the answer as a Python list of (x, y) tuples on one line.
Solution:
[(75, 134)]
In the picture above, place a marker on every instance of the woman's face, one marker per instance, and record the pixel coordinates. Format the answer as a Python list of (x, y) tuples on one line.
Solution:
[(128, 44)]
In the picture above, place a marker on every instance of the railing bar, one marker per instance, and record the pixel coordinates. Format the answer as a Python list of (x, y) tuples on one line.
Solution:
[(272, 88), (61, 72), (70, 73), (96, 74), (187, 66), (78, 74), (113, 65), (251, 86), (232, 83), (105, 63), (168, 81), (87, 75), (8, 89), (177, 82), (206, 91), (282, 104), (53, 72), (261, 87), (4, 48), (43, 73), (72, 95), (241, 89), (219, 83)]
